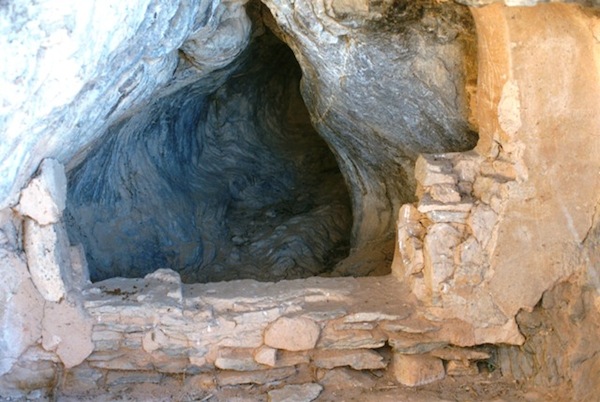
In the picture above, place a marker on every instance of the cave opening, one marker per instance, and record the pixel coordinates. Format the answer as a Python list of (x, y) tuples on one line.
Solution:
[(224, 178)]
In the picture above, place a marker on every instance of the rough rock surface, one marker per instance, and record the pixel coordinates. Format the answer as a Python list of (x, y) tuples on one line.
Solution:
[(293, 334), (22, 306), (78, 67), (415, 370), (360, 56), (511, 221)]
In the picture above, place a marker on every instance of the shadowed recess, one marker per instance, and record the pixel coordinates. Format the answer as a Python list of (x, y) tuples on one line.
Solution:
[(218, 181)]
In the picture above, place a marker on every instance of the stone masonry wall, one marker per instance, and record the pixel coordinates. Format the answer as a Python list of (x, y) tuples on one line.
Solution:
[(235, 332), (497, 226)]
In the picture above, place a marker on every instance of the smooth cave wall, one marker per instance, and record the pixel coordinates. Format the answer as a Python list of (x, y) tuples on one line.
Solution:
[(231, 176)]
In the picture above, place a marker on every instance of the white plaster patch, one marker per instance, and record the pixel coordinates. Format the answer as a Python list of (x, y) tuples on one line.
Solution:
[(509, 108)]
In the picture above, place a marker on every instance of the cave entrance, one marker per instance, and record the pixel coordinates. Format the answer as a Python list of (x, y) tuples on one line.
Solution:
[(224, 178)]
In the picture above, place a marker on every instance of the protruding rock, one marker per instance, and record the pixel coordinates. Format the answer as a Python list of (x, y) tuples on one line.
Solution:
[(361, 359), (48, 258), (432, 169), (44, 198), (463, 354), (79, 267), (266, 355), (445, 193), (428, 204), (415, 370), (440, 242), (292, 334)]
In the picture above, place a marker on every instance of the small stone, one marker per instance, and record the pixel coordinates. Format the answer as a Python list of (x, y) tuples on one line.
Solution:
[(361, 359), (461, 368), (81, 379), (132, 377), (411, 250), (203, 381), (486, 188), (420, 288), (363, 326), (411, 344), (168, 364), (439, 246), (431, 169), (428, 204), (286, 359), (118, 360), (415, 370), (350, 339), (438, 216), (237, 359), (482, 221), (293, 334), (266, 355), (409, 218), (344, 378), (505, 169), (44, 198), (225, 378), (463, 354), (467, 166), (296, 393), (445, 193), (471, 270)]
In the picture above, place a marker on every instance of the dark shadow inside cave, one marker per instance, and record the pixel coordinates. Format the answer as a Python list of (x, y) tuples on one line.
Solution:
[(222, 179)]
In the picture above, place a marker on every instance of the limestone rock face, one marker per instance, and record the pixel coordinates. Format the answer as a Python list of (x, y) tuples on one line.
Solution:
[(22, 309), (359, 56), (77, 67)]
